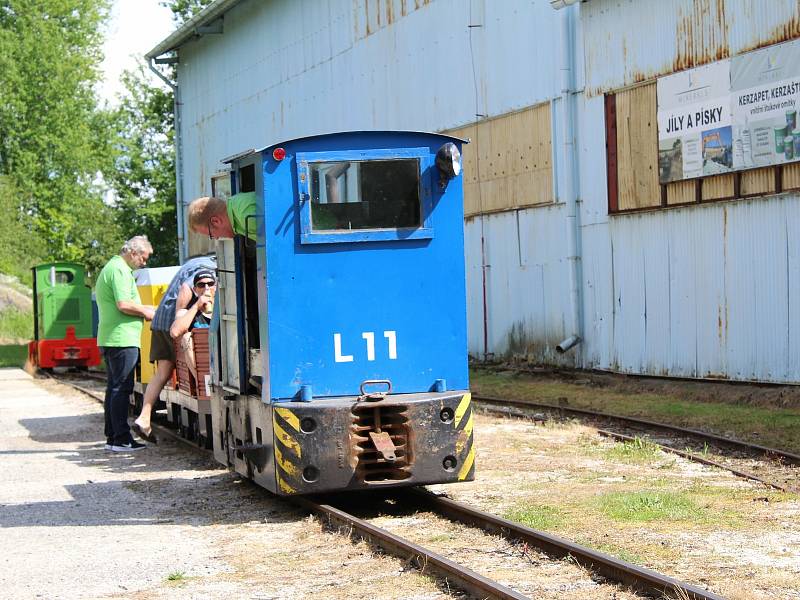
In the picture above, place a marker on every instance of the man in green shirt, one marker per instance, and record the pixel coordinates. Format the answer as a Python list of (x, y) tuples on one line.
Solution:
[(222, 220), (119, 333)]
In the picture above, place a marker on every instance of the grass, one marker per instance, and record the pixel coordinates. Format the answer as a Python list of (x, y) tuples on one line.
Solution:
[(176, 576), (537, 516), (13, 356), (639, 450), (777, 427), (16, 324), (647, 506)]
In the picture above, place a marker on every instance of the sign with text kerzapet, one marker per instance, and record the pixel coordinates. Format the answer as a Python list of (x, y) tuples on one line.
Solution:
[(765, 91)]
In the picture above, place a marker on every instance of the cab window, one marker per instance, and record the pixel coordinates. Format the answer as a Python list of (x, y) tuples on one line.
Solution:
[(348, 195), (365, 195)]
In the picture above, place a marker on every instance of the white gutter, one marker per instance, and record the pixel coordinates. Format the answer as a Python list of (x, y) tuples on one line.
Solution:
[(202, 23), (570, 194), (176, 118)]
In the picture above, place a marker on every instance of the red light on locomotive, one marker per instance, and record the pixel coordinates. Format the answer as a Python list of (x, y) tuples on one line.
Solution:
[(279, 154)]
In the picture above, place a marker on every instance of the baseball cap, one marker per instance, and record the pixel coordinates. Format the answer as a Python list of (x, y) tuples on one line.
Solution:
[(204, 274)]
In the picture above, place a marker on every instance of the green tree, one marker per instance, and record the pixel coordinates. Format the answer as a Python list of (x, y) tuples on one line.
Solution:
[(142, 172), (183, 10), (50, 150)]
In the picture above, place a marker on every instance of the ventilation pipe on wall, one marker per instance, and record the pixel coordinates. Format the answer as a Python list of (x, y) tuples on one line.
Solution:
[(570, 159), (176, 109)]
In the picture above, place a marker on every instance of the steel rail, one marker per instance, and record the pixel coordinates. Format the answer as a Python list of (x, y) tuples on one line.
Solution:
[(638, 578), (770, 452), (685, 454), (620, 571), (461, 577), (466, 579), (621, 437)]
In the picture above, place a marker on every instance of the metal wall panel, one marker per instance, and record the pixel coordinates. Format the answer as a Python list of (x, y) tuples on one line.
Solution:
[(698, 291), (527, 285), (629, 41), (286, 69), (707, 291)]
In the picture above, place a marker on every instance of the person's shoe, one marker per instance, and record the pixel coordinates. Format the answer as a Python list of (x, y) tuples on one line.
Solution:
[(145, 434), (108, 445), (131, 446)]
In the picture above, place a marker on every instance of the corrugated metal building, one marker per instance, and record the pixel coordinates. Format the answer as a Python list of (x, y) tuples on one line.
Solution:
[(569, 232)]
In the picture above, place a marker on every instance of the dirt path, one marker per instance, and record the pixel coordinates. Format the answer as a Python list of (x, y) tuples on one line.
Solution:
[(79, 522)]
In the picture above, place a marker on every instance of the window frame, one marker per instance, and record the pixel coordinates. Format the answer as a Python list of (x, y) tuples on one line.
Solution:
[(424, 231)]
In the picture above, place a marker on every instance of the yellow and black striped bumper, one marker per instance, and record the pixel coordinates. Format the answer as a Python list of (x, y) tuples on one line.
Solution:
[(324, 445)]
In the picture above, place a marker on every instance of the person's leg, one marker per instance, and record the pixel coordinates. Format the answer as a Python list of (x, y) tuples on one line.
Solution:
[(125, 363), (109, 430), (163, 372), (187, 345)]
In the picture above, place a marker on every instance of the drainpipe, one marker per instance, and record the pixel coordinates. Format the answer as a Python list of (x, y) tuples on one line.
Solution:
[(176, 112), (567, 52)]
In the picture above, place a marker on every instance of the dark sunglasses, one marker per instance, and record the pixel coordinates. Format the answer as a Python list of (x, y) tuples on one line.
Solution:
[(205, 284)]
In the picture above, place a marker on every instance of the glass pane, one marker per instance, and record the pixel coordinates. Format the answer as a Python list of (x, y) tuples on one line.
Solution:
[(375, 194), (64, 277)]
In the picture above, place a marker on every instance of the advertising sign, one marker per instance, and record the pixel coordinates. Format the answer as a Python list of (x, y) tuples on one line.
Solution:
[(765, 91), (730, 115), (694, 123)]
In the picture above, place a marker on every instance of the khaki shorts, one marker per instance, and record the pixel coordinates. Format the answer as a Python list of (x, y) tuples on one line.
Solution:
[(161, 347)]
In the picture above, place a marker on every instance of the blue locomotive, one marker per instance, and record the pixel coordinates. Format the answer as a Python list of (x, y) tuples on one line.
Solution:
[(339, 351)]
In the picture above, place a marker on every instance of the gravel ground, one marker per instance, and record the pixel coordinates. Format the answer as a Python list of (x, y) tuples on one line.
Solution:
[(79, 522)]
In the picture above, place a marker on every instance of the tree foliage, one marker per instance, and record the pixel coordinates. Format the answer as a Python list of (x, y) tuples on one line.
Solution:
[(50, 52), (142, 172), (183, 10), (55, 141)]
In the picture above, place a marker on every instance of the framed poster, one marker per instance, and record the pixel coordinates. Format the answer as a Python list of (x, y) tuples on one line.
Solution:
[(694, 123)]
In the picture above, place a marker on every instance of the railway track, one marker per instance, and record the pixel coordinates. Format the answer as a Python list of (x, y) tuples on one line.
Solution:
[(329, 509), (679, 439)]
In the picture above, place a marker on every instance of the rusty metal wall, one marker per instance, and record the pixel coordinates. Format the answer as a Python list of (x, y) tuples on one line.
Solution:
[(710, 291), (700, 291), (285, 69), (629, 41)]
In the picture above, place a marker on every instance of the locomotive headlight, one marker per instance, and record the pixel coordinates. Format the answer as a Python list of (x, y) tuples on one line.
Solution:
[(448, 161)]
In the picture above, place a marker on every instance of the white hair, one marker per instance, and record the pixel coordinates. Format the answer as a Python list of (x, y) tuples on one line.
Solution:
[(138, 244)]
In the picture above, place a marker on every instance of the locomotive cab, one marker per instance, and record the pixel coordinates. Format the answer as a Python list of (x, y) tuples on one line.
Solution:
[(340, 351), (62, 318)]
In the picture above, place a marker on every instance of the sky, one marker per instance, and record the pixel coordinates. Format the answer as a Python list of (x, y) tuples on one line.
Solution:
[(135, 26)]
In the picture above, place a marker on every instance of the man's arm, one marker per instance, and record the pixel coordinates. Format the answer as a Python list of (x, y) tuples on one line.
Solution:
[(125, 304), (136, 310), (183, 316)]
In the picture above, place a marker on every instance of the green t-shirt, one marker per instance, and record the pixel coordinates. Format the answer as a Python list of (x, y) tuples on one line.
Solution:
[(115, 328), (241, 206)]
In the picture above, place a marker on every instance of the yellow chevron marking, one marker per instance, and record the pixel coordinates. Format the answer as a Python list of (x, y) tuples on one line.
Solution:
[(286, 439), (464, 435), (288, 466), (285, 487), (289, 417), (462, 407), (467, 464)]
